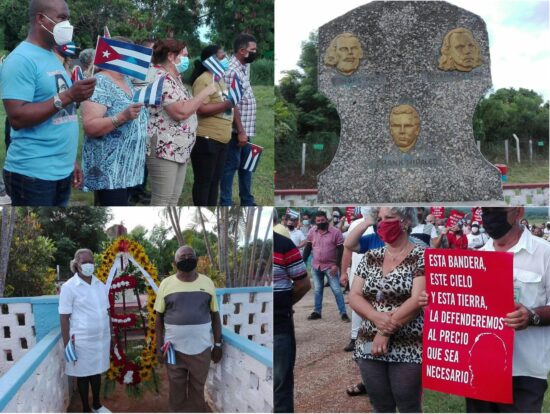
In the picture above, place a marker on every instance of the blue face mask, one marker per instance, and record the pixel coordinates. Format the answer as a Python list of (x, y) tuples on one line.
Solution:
[(183, 64), (224, 63)]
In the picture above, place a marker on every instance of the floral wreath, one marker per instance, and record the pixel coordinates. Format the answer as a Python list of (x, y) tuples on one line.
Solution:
[(121, 369)]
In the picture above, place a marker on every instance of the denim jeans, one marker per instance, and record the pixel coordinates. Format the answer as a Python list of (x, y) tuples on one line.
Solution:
[(334, 281), (284, 357), (232, 164), (29, 191)]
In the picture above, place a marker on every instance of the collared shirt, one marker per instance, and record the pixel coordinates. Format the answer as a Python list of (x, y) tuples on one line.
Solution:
[(247, 105), (87, 305), (325, 246), (297, 237), (532, 288)]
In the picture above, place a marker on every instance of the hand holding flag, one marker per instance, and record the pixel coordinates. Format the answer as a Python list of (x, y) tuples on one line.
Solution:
[(250, 162), (70, 351), (214, 67), (151, 94), (76, 74), (169, 353)]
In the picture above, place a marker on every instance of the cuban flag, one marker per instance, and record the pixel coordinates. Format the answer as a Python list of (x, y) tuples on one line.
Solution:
[(170, 352), (214, 67), (126, 58), (68, 50), (235, 90), (250, 162), (106, 32), (70, 353), (76, 74), (151, 94), (292, 213)]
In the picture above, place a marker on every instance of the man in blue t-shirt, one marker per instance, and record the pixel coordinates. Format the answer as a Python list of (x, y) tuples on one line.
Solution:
[(40, 102)]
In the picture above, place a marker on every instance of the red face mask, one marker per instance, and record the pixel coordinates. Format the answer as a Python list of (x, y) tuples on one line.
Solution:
[(389, 231)]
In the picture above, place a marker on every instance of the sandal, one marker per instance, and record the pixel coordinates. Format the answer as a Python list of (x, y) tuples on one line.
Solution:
[(356, 389)]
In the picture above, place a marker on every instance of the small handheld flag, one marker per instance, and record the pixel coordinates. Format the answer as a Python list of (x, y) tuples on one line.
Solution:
[(126, 58), (214, 67), (292, 213), (70, 353), (76, 74), (250, 162), (106, 33), (170, 352), (151, 94), (67, 50), (235, 90)]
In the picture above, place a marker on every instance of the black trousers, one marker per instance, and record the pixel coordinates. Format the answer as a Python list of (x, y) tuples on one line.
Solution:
[(208, 161), (528, 398)]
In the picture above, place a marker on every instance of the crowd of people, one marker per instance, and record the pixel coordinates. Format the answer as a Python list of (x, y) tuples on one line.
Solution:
[(378, 256), (125, 143)]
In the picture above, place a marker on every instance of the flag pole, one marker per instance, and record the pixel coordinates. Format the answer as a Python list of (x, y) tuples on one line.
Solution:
[(96, 44)]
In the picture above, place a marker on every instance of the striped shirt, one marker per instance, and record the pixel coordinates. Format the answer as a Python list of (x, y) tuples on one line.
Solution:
[(247, 105), (287, 263)]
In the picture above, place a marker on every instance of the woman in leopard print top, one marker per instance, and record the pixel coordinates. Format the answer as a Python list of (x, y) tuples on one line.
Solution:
[(388, 349)]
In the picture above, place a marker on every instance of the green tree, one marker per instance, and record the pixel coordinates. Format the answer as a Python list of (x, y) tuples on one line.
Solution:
[(31, 256), (228, 18), (71, 229)]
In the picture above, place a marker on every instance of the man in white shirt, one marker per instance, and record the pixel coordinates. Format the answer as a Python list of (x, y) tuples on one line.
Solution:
[(296, 235), (476, 239), (531, 318)]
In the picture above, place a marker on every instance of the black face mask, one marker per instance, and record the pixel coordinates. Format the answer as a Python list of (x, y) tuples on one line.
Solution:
[(251, 57), (291, 227), (322, 226), (187, 265), (496, 224)]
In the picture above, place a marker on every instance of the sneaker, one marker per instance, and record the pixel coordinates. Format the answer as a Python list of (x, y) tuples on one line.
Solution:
[(101, 409), (345, 317), (351, 346), (314, 315), (5, 200)]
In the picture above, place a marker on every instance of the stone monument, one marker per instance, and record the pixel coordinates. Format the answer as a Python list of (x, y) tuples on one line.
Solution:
[(405, 77)]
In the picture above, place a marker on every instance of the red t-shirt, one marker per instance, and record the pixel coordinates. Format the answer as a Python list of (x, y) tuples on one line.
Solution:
[(457, 242)]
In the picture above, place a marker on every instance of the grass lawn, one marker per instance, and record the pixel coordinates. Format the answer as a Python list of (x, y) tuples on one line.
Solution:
[(528, 173), (436, 402), (262, 181)]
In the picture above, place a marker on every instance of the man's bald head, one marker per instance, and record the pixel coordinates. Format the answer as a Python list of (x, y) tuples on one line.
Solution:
[(184, 252), (45, 6)]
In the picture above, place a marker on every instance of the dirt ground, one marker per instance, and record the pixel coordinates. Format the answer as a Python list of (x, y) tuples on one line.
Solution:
[(120, 402), (323, 369)]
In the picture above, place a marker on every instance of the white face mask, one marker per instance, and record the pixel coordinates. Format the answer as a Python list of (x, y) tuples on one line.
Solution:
[(62, 31), (87, 269)]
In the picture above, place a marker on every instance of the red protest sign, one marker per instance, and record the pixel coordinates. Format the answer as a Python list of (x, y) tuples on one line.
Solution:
[(476, 215), (437, 212), (466, 348), (454, 218)]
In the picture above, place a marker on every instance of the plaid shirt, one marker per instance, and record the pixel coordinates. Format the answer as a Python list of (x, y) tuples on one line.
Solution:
[(247, 105)]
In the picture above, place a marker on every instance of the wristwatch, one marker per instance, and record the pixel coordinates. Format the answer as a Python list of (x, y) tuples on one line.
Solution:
[(534, 318), (218, 344), (57, 102)]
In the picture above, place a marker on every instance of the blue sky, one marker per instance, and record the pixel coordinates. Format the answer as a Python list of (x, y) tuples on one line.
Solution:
[(519, 36)]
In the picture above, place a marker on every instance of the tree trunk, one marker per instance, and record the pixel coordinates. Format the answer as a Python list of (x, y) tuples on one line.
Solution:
[(8, 224), (173, 215), (259, 268), (206, 241), (236, 248), (248, 230), (266, 279), (225, 236), (252, 265)]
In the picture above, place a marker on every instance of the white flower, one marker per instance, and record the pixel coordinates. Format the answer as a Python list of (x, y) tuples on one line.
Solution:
[(128, 377)]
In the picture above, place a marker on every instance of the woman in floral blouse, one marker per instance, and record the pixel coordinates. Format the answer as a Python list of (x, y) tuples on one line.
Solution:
[(388, 348), (115, 128), (172, 126)]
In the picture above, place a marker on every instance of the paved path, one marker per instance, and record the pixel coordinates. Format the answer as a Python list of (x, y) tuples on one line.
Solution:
[(323, 370)]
